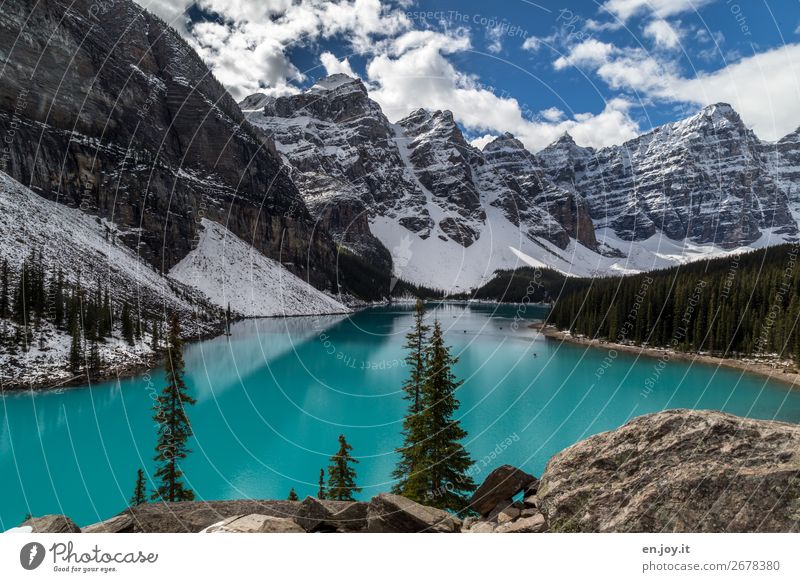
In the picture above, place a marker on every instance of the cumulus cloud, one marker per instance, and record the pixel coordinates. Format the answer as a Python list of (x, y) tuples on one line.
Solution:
[(333, 65), (764, 88), (418, 74), (589, 53), (246, 48), (663, 34), (625, 9)]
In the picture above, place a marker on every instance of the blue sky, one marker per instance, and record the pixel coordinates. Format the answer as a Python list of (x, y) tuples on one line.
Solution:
[(604, 71)]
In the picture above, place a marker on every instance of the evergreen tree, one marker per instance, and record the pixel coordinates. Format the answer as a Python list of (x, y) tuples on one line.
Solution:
[(173, 424), (440, 462), (127, 324), (75, 347), (341, 476), (416, 340), (5, 310), (155, 339), (139, 492), (321, 491), (293, 495)]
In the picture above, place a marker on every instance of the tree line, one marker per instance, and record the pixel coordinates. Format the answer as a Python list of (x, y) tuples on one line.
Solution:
[(746, 304), (35, 305)]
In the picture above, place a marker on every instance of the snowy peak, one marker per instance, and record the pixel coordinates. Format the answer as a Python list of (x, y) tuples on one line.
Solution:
[(256, 101), (505, 142), (340, 83)]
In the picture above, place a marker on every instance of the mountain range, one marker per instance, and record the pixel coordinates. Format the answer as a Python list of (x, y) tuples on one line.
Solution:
[(107, 110), (451, 214)]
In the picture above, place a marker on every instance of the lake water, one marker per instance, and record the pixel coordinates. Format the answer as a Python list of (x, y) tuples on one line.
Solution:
[(273, 397)]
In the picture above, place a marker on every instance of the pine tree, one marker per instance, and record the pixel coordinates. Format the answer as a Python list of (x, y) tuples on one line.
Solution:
[(75, 347), (412, 431), (173, 424), (440, 477), (155, 346), (341, 476), (321, 491), (139, 492), (293, 495), (5, 310), (127, 324)]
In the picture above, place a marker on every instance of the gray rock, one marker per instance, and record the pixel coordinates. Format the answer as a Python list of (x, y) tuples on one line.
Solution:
[(388, 513), (323, 515), (122, 523), (533, 524), (193, 516), (255, 523), (500, 486), (54, 523), (482, 527), (531, 501), (508, 514), (678, 471)]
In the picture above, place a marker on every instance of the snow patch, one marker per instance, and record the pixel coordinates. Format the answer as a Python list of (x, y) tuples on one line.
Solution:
[(231, 272)]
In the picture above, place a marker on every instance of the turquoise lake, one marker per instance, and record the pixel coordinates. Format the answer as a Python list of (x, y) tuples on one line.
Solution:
[(273, 397)]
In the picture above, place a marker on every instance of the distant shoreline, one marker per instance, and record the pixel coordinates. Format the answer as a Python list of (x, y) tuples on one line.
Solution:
[(774, 370)]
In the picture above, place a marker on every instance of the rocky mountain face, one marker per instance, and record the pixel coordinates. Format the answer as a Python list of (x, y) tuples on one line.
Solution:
[(674, 471), (105, 108), (380, 186), (704, 179), (416, 184)]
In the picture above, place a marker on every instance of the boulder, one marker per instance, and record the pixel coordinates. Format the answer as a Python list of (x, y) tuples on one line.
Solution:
[(533, 524), (323, 515), (193, 516), (388, 513), (122, 523), (255, 523), (54, 523), (482, 527), (500, 485), (508, 514), (678, 471)]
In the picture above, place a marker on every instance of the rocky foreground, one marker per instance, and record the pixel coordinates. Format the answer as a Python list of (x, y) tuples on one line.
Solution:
[(675, 471)]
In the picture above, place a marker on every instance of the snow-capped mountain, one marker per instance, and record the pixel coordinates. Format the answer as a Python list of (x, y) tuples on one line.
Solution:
[(704, 179), (106, 108), (451, 214)]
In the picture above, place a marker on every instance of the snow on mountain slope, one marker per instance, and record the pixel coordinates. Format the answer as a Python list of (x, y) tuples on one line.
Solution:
[(450, 214), (79, 244), (231, 272), (84, 248)]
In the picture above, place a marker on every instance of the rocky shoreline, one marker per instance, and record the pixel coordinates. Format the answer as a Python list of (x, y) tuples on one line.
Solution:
[(767, 367), (673, 471)]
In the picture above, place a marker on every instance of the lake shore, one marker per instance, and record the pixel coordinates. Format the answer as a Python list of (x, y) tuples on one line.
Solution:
[(767, 367)]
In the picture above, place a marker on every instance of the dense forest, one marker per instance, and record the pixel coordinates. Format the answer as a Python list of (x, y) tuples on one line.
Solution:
[(743, 304), (41, 308), (529, 284)]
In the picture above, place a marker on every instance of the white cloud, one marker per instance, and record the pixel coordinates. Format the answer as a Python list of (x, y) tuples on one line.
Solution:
[(663, 34), (552, 114), (532, 43), (589, 53), (417, 74), (763, 88), (247, 50), (333, 65), (624, 9), (480, 142), (494, 35)]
